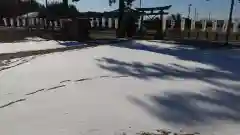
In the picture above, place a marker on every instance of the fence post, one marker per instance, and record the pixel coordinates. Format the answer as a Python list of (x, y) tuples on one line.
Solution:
[(23, 22), (37, 21), (103, 22), (214, 25), (61, 23), (109, 23), (182, 27), (11, 22), (164, 24), (224, 27), (41, 22), (97, 19), (193, 26), (235, 28), (172, 24), (55, 24), (5, 21), (51, 23), (45, 23), (204, 26), (33, 21), (183, 24), (214, 28), (91, 22), (18, 22), (139, 23), (116, 23)]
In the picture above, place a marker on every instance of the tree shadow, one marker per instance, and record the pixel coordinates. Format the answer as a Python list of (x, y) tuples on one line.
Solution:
[(186, 108), (226, 61), (201, 44), (193, 109), (170, 72)]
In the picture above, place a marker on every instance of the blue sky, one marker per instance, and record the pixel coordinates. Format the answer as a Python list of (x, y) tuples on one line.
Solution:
[(217, 8)]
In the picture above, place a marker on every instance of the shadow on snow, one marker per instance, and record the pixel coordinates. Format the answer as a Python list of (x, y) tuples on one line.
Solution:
[(186, 108)]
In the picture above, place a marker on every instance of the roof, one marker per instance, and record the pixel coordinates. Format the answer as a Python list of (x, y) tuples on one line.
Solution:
[(126, 9), (30, 15), (154, 8)]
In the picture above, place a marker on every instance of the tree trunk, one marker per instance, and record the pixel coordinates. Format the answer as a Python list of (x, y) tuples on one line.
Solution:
[(229, 22), (65, 2), (120, 32), (121, 10)]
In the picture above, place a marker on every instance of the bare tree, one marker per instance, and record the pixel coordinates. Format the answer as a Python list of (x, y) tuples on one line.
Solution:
[(65, 2)]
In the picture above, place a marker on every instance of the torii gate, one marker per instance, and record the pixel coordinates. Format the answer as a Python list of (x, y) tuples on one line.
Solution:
[(154, 11)]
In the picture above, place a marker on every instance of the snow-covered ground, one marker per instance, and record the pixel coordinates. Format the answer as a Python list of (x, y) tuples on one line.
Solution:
[(129, 87), (33, 44)]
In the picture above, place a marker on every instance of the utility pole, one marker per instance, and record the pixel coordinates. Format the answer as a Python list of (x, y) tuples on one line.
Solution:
[(195, 14), (189, 10), (209, 16)]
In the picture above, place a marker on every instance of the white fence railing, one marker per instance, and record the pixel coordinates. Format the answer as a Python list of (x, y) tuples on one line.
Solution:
[(31, 22), (111, 23), (216, 25)]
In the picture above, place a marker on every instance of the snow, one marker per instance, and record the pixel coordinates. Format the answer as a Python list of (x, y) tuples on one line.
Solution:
[(129, 87), (34, 44)]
